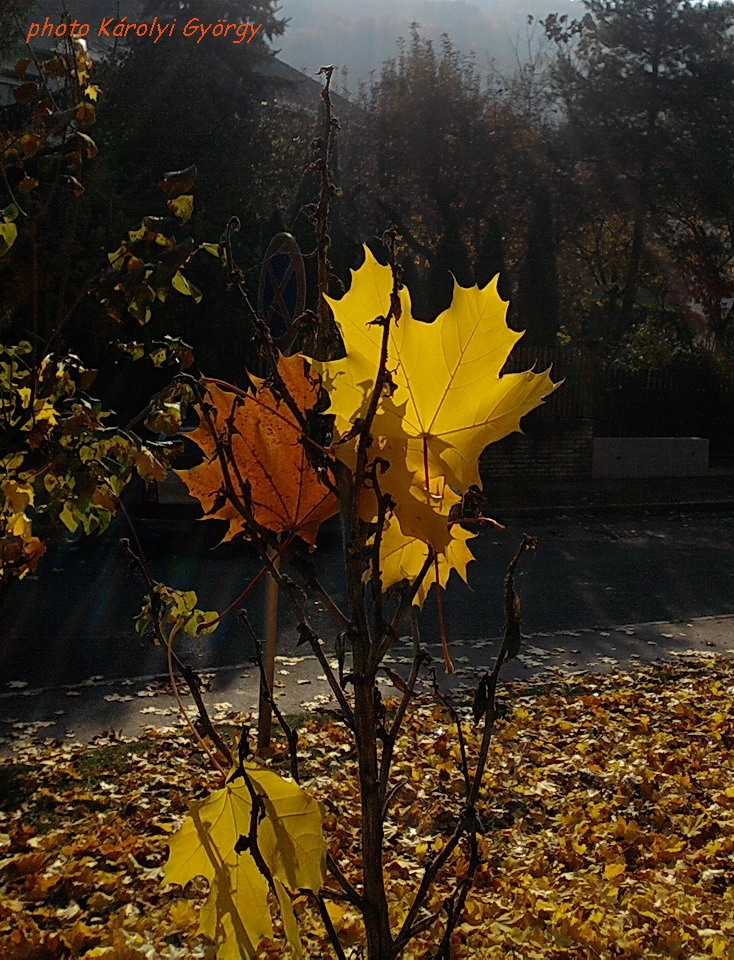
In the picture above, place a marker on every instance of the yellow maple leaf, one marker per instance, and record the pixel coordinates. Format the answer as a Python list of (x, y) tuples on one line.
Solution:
[(402, 558), (236, 914), (420, 519), (450, 392), (422, 509), (423, 498), (350, 380), (450, 401)]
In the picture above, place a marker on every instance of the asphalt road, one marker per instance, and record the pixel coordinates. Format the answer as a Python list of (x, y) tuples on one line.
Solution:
[(75, 620)]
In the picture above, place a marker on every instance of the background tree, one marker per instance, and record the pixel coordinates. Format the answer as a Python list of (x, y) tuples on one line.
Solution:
[(179, 103), (448, 161), (59, 458), (425, 119), (647, 89)]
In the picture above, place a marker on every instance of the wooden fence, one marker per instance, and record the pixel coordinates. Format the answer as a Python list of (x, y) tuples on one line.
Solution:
[(602, 400), (693, 402)]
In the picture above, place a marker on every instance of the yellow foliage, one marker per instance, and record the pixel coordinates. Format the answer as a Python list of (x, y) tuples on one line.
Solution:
[(402, 557), (540, 890), (289, 841), (449, 402)]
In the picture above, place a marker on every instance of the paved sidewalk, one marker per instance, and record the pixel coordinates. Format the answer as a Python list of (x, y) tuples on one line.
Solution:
[(82, 711)]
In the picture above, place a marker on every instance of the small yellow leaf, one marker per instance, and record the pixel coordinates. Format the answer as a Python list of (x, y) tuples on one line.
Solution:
[(68, 519), (182, 207), (401, 558), (718, 946), (8, 234), (148, 466), (184, 286), (613, 870)]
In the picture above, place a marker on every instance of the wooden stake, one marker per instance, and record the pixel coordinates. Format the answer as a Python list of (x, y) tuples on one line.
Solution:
[(265, 712)]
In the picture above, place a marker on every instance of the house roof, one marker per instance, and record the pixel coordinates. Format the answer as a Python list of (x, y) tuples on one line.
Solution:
[(297, 89), (291, 88)]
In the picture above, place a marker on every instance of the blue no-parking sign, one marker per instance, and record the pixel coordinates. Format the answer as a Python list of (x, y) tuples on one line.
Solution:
[(282, 292)]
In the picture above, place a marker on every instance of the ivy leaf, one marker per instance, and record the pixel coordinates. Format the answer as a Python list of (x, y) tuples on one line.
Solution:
[(27, 184), (21, 66), (165, 418), (176, 182), (85, 115), (90, 147), (260, 440), (185, 286), (149, 467), (289, 840), (175, 608), (25, 92)]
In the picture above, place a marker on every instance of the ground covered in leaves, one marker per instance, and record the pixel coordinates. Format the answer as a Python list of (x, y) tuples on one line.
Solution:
[(608, 820)]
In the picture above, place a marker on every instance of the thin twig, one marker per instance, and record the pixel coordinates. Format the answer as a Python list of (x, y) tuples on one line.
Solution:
[(182, 709), (291, 735), (192, 680), (350, 893), (420, 657), (330, 930), (454, 714)]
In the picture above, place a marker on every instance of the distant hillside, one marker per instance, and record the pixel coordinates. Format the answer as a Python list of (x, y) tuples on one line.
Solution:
[(361, 36)]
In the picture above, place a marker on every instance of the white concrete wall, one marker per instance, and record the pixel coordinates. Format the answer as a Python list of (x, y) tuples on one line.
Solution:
[(650, 457)]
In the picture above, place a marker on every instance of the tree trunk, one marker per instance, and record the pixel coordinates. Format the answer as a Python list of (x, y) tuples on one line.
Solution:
[(375, 909), (633, 270)]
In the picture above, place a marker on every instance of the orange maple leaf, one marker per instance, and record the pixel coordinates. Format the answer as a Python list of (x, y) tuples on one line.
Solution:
[(256, 438)]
